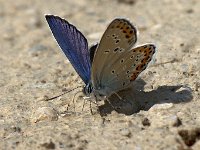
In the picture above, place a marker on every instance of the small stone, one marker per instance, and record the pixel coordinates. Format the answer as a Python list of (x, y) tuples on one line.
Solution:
[(184, 88), (128, 2), (49, 145), (189, 11), (163, 106), (43, 81), (197, 85), (189, 137), (37, 48), (177, 122), (45, 113), (125, 132), (146, 122), (16, 129), (43, 98)]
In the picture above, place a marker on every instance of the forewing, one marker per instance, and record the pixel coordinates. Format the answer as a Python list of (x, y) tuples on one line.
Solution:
[(118, 38), (129, 66), (73, 44)]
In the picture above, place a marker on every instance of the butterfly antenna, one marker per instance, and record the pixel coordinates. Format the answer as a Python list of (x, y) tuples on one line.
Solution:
[(63, 93), (167, 62)]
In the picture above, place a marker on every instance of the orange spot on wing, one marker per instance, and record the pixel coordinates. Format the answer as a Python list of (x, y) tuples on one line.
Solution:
[(148, 51), (133, 77)]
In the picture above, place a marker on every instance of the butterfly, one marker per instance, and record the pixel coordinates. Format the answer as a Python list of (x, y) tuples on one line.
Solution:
[(108, 66)]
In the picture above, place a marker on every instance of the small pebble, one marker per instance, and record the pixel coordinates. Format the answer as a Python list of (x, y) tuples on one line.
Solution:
[(128, 2), (43, 98), (146, 122), (49, 145), (177, 122), (197, 85), (37, 48), (163, 106), (45, 114), (125, 132)]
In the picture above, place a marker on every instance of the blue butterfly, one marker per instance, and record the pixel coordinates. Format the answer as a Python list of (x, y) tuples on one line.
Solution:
[(109, 66)]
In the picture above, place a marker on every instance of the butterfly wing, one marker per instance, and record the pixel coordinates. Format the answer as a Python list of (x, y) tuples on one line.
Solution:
[(129, 66), (92, 51), (73, 44), (118, 38)]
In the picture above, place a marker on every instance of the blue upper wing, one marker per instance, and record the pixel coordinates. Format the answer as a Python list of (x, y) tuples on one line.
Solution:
[(73, 44)]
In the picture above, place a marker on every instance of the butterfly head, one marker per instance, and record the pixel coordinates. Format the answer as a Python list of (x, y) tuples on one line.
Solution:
[(97, 93), (88, 89)]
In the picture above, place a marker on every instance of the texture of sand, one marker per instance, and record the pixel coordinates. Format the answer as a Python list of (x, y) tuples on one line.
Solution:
[(160, 111)]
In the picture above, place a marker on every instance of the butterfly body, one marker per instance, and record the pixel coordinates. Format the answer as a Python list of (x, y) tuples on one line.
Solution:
[(109, 66), (98, 93)]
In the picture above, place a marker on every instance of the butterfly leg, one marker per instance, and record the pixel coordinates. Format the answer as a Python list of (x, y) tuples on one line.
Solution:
[(110, 103), (96, 102), (73, 100), (85, 98), (91, 108), (120, 98), (83, 104), (97, 105)]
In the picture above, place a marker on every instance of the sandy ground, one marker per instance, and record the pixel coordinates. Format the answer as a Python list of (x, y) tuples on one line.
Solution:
[(160, 111)]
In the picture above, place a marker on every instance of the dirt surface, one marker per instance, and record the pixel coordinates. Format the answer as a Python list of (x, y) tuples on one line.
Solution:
[(160, 110)]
